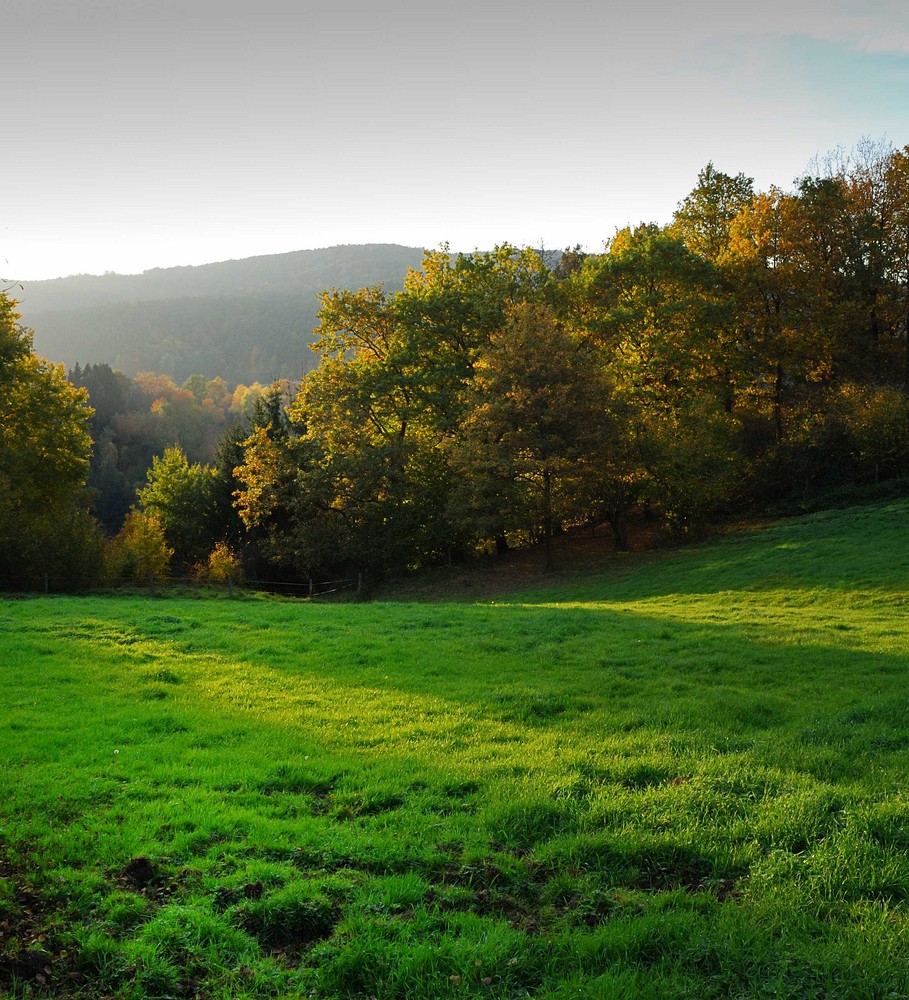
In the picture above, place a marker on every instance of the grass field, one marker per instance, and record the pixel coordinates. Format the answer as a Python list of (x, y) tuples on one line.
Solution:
[(684, 776)]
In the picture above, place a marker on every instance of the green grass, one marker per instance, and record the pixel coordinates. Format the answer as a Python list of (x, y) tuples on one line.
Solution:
[(682, 777)]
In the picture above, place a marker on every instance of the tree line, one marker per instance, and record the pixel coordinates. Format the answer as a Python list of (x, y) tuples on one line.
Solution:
[(753, 349)]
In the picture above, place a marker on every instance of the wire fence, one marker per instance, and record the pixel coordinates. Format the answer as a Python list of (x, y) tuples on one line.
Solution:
[(154, 585)]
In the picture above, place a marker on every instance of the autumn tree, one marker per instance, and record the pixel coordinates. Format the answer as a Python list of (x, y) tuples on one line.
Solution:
[(366, 477), (277, 506), (704, 218), (116, 464), (139, 551), (898, 181), (874, 202), (534, 423), (654, 309), (655, 312), (181, 497), (370, 418), (851, 220), (44, 456)]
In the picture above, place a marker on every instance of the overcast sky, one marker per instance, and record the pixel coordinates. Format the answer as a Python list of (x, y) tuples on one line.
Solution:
[(145, 133)]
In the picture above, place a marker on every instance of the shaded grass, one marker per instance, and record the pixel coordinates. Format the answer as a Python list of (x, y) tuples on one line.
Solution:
[(679, 777)]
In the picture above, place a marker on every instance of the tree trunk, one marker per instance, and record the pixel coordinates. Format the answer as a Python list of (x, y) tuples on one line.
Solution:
[(874, 332), (906, 376), (616, 519), (728, 391), (547, 520), (778, 403)]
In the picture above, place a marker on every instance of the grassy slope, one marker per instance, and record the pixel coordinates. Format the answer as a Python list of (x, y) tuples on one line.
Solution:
[(682, 777)]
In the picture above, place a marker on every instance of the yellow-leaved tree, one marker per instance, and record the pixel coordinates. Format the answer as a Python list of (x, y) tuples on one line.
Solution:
[(45, 529)]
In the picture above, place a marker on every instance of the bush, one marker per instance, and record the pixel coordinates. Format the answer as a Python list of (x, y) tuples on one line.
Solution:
[(140, 550), (878, 421), (223, 565)]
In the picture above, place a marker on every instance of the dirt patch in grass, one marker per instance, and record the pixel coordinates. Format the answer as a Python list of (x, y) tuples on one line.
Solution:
[(33, 940), (225, 896), (139, 872)]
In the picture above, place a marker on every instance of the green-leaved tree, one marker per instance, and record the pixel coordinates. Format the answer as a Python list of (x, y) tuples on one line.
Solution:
[(44, 456)]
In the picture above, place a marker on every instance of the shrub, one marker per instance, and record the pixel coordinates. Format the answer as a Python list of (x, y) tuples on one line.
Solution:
[(140, 549), (223, 565)]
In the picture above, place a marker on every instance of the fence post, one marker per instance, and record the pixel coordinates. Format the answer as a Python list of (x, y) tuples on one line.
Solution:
[(310, 588), (230, 585), (359, 583), (46, 585), (151, 583)]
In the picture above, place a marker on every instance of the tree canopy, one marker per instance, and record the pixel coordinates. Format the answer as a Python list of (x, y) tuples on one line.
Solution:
[(44, 455), (754, 349)]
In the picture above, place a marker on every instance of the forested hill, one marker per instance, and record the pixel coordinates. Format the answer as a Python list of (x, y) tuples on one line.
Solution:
[(244, 320)]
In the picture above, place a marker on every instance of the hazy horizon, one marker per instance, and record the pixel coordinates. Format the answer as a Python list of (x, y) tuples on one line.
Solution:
[(224, 260), (160, 134)]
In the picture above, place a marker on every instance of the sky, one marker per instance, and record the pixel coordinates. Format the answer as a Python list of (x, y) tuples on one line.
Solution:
[(154, 133)]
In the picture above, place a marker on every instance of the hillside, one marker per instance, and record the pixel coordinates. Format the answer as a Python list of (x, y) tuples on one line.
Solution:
[(682, 776), (245, 320)]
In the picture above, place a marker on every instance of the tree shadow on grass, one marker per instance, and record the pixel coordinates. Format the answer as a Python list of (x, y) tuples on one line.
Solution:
[(532, 669), (862, 548)]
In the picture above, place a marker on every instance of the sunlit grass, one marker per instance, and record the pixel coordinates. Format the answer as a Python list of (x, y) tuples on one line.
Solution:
[(685, 776)]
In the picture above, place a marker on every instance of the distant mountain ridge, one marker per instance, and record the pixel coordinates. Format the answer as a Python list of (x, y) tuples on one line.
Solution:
[(245, 320)]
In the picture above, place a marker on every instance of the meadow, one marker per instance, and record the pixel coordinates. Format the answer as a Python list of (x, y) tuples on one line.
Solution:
[(684, 775)]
